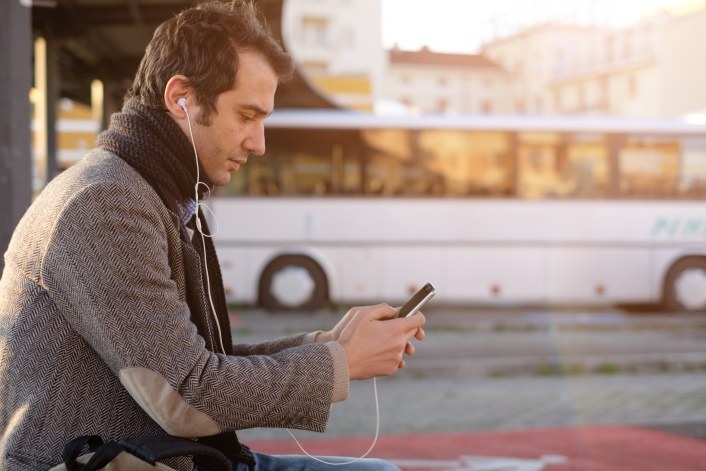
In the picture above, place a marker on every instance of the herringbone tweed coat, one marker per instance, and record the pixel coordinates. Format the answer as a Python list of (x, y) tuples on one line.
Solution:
[(96, 336)]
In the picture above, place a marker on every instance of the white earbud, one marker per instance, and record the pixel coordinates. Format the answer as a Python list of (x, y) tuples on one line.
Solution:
[(182, 102)]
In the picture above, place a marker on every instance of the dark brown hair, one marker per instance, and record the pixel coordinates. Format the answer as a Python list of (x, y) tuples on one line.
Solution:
[(202, 43)]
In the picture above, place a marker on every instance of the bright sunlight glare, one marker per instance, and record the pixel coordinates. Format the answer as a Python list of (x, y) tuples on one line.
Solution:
[(464, 25)]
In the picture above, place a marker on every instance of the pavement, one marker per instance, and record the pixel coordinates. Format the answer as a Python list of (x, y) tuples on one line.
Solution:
[(607, 448), (599, 423), (434, 419)]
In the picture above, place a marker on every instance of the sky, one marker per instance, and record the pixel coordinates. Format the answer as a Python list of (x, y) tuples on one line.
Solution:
[(463, 25)]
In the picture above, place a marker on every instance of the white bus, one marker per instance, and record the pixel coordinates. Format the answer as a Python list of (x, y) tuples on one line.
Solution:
[(350, 208)]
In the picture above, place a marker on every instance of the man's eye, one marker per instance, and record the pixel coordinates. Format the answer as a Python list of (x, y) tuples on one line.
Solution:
[(247, 117)]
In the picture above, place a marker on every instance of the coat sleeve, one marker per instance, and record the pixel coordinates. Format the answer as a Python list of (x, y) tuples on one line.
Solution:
[(113, 269), (276, 345)]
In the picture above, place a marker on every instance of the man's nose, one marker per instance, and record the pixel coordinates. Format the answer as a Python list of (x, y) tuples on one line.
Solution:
[(255, 143)]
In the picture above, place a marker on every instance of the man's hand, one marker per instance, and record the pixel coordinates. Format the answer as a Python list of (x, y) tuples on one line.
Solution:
[(334, 333), (375, 342)]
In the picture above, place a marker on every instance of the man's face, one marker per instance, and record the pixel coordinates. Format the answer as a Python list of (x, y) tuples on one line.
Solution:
[(237, 126)]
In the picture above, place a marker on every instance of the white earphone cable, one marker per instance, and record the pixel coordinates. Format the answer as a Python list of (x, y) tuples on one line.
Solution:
[(372, 445), (218, 325), (198, 226)]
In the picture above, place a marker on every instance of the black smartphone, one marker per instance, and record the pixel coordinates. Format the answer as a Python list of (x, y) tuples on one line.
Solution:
[(418, 300)]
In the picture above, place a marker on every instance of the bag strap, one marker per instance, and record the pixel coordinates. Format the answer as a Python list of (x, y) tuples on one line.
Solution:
[(74, 448), (153, 449), (103, 455), (150, 449)]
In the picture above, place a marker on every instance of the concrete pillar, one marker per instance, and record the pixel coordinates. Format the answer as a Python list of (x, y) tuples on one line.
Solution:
[(15, 117), (46, 79)]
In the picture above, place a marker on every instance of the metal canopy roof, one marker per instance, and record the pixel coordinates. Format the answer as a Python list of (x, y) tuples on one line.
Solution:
[(105, 39)]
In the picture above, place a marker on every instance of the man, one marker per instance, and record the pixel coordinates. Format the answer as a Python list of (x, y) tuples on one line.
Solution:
[(112, 315)]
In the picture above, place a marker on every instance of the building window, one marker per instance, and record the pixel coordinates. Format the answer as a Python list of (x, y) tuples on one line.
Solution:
[(486, 107), (627, 45), (442, 105), (605, 94), (559, 63), (557, 101), (581, 97), (632, 86), (346, 38), (519, 69), (609, 49), (519, 106), (315, 69), (315, 31)]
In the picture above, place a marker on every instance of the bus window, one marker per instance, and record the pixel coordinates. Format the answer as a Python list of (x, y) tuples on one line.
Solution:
[(238, 184), (302, 163), (468, 163), (649, 167), (438, 163), (586, 166), (692, 181), (540, 155), (389, 166), (669, 167), (555, 165)]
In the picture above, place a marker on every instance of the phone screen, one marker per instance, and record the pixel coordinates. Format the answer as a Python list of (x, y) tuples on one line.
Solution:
[(418, 300)]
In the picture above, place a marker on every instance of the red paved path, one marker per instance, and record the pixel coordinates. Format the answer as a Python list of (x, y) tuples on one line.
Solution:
[(603, 448)]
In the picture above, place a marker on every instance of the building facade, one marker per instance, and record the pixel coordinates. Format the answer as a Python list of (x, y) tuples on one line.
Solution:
[(652, 69), (429, 82), (574, 64), (338, 46)]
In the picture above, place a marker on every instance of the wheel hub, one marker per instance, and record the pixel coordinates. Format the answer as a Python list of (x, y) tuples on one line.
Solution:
[(292, 286), (690, 289)]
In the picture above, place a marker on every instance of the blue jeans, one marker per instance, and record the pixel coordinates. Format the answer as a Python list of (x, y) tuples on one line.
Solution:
[(265, 462)]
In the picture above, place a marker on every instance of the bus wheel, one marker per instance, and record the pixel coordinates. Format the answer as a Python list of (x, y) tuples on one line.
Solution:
[(685, 285), (293, 282)]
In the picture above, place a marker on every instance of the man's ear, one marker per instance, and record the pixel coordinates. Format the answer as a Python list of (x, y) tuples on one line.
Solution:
[(177, 94)]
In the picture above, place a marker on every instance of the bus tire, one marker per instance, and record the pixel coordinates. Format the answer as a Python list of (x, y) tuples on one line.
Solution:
[(291, 283), (685, 285)]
